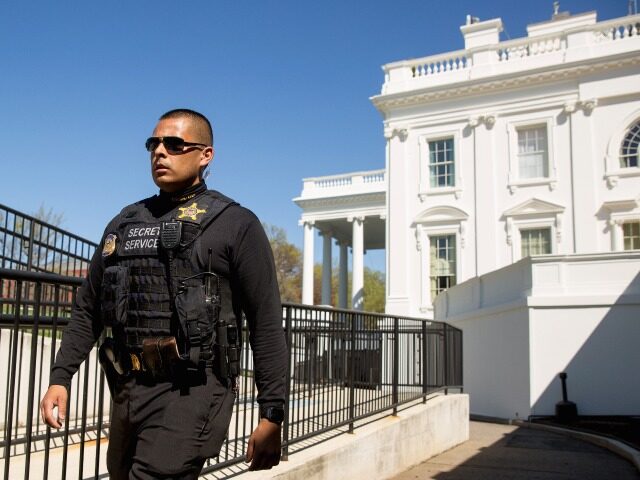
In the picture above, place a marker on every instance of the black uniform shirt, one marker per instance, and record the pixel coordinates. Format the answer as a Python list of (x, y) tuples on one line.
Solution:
[(241, 252)]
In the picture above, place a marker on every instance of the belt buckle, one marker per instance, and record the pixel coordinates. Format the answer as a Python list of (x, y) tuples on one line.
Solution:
[(135, 362)]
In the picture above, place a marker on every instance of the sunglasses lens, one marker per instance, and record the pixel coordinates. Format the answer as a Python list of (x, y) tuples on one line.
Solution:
[(152, 143), (173, 144)]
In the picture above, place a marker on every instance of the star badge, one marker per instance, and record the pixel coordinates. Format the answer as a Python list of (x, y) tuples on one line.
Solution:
[(192, 211)]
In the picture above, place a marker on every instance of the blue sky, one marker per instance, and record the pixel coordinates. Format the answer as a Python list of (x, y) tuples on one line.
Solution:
[(286, 84)]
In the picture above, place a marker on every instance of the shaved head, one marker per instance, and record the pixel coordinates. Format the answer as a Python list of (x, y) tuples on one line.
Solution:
[(202, 126)]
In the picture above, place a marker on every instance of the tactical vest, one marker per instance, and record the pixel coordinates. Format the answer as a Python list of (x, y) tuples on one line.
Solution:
[(155, 282)]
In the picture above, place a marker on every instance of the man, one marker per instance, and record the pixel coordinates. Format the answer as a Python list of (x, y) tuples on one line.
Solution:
[(171, 277)]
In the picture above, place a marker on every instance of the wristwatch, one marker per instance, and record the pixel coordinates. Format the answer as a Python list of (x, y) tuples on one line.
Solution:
[(273, 414)]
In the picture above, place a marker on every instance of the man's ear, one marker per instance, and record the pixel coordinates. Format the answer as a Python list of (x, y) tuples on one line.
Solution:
[(206, 157)]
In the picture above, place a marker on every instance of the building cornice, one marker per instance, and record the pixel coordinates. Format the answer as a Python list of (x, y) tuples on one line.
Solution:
[(512, 80)]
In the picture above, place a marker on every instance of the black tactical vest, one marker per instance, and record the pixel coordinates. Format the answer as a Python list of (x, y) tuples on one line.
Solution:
[(152, 288)]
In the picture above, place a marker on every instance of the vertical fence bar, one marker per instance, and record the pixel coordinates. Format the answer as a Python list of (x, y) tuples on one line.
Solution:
[(446, 359), (12, 393), (99, 426), (32, 378), (352, 367), (396, 362), (83, 422), (425, 382), (287, 391)]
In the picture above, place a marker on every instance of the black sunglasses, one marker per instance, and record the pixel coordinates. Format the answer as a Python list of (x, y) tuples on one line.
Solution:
[(172, 144)]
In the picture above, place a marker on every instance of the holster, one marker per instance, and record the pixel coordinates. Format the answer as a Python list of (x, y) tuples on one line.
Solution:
[(111, 366), (160, 354)]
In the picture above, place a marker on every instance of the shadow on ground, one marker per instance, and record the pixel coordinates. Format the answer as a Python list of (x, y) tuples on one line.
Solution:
[(500, 452)]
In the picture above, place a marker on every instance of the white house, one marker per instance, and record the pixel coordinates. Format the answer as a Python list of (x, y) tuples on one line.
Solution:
[(496, 152)]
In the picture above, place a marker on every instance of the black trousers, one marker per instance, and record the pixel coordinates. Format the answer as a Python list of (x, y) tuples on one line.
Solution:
[(167, 429)]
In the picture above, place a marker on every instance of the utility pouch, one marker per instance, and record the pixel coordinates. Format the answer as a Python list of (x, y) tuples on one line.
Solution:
[(226, 361), (110, 364), (160, 354), (194, 313), (114, 296)]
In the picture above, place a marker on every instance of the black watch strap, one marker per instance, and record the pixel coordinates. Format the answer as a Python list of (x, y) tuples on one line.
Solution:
[(273, 414)]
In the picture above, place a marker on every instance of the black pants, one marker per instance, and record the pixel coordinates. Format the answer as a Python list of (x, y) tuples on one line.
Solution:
[(166, 430)]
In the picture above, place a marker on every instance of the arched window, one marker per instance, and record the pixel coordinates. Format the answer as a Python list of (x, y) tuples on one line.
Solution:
[(629, 149)]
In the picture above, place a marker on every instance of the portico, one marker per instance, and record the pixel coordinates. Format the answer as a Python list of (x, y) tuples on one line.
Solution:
[(350, 210)]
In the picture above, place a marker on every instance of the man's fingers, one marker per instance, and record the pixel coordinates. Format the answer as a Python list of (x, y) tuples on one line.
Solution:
[(56, 396), (250, 448), (62, 410), (47, 412)]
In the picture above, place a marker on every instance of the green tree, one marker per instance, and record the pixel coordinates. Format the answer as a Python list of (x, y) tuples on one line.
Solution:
[(288, 260), (374, 291)]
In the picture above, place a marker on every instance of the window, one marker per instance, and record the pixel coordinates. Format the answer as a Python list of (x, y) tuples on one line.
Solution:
[(631, 235), (532, 152), (441, 163), (535, 241), (442, 263), (629, 151)]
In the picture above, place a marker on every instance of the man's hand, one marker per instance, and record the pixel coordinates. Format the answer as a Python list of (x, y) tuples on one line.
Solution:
[(56, 396), (264, 446)]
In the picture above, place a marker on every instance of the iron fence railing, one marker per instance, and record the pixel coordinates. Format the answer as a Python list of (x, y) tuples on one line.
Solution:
[(344, 366), (27, 243)]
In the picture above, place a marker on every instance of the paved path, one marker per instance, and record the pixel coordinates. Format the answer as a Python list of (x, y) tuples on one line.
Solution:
[(501, 452)]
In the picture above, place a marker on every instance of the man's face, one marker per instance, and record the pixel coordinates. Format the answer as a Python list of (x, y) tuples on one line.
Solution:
[(178, 170)]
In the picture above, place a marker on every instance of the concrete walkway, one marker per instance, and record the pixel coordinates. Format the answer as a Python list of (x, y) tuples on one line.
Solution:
[(500, 452)]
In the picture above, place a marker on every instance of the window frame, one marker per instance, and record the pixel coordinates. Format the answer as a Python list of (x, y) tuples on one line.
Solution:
[(522, 229), (613, 170), (531, 214), (425, 189), (631, 222), (436, 221), (455, 253), (514, 180)]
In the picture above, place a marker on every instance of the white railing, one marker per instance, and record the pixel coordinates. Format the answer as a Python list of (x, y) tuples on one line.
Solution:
[(333, 181), (530, 47), (442, 68), (436, 64), (345, 184), (374, 177), (617, 29)]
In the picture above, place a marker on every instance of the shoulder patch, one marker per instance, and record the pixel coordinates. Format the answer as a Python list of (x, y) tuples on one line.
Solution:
[(109, 245)]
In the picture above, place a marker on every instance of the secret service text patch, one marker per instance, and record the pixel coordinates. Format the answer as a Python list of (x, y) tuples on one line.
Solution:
[(140, 239)]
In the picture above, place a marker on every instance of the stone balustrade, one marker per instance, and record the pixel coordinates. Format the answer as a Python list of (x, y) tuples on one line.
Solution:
[(344, 184), (547, 45), (617, 29), (527, 47)]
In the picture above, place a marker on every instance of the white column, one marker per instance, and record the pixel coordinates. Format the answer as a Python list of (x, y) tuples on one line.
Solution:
[(357, 268), (326, 268), (343, 276), (307, 265)]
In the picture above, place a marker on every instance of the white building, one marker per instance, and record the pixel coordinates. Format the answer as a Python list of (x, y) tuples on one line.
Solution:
[(494, 153)]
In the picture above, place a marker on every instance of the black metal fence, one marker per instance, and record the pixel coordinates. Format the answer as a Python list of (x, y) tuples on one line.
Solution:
[(27, 243), (344, 366)]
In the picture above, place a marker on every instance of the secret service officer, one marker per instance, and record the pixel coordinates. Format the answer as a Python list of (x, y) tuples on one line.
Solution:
[(165, 426)]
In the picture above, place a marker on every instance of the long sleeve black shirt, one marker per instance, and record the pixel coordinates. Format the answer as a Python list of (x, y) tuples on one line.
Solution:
[(241, 252)]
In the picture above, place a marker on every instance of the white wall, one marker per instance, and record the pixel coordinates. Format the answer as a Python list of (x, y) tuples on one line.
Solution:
[(527, 322)]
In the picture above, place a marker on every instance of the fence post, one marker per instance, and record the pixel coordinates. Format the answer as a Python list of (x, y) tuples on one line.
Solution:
[(287, 391), (425, 358), (396, 363), (446, 359), (352, 367)]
